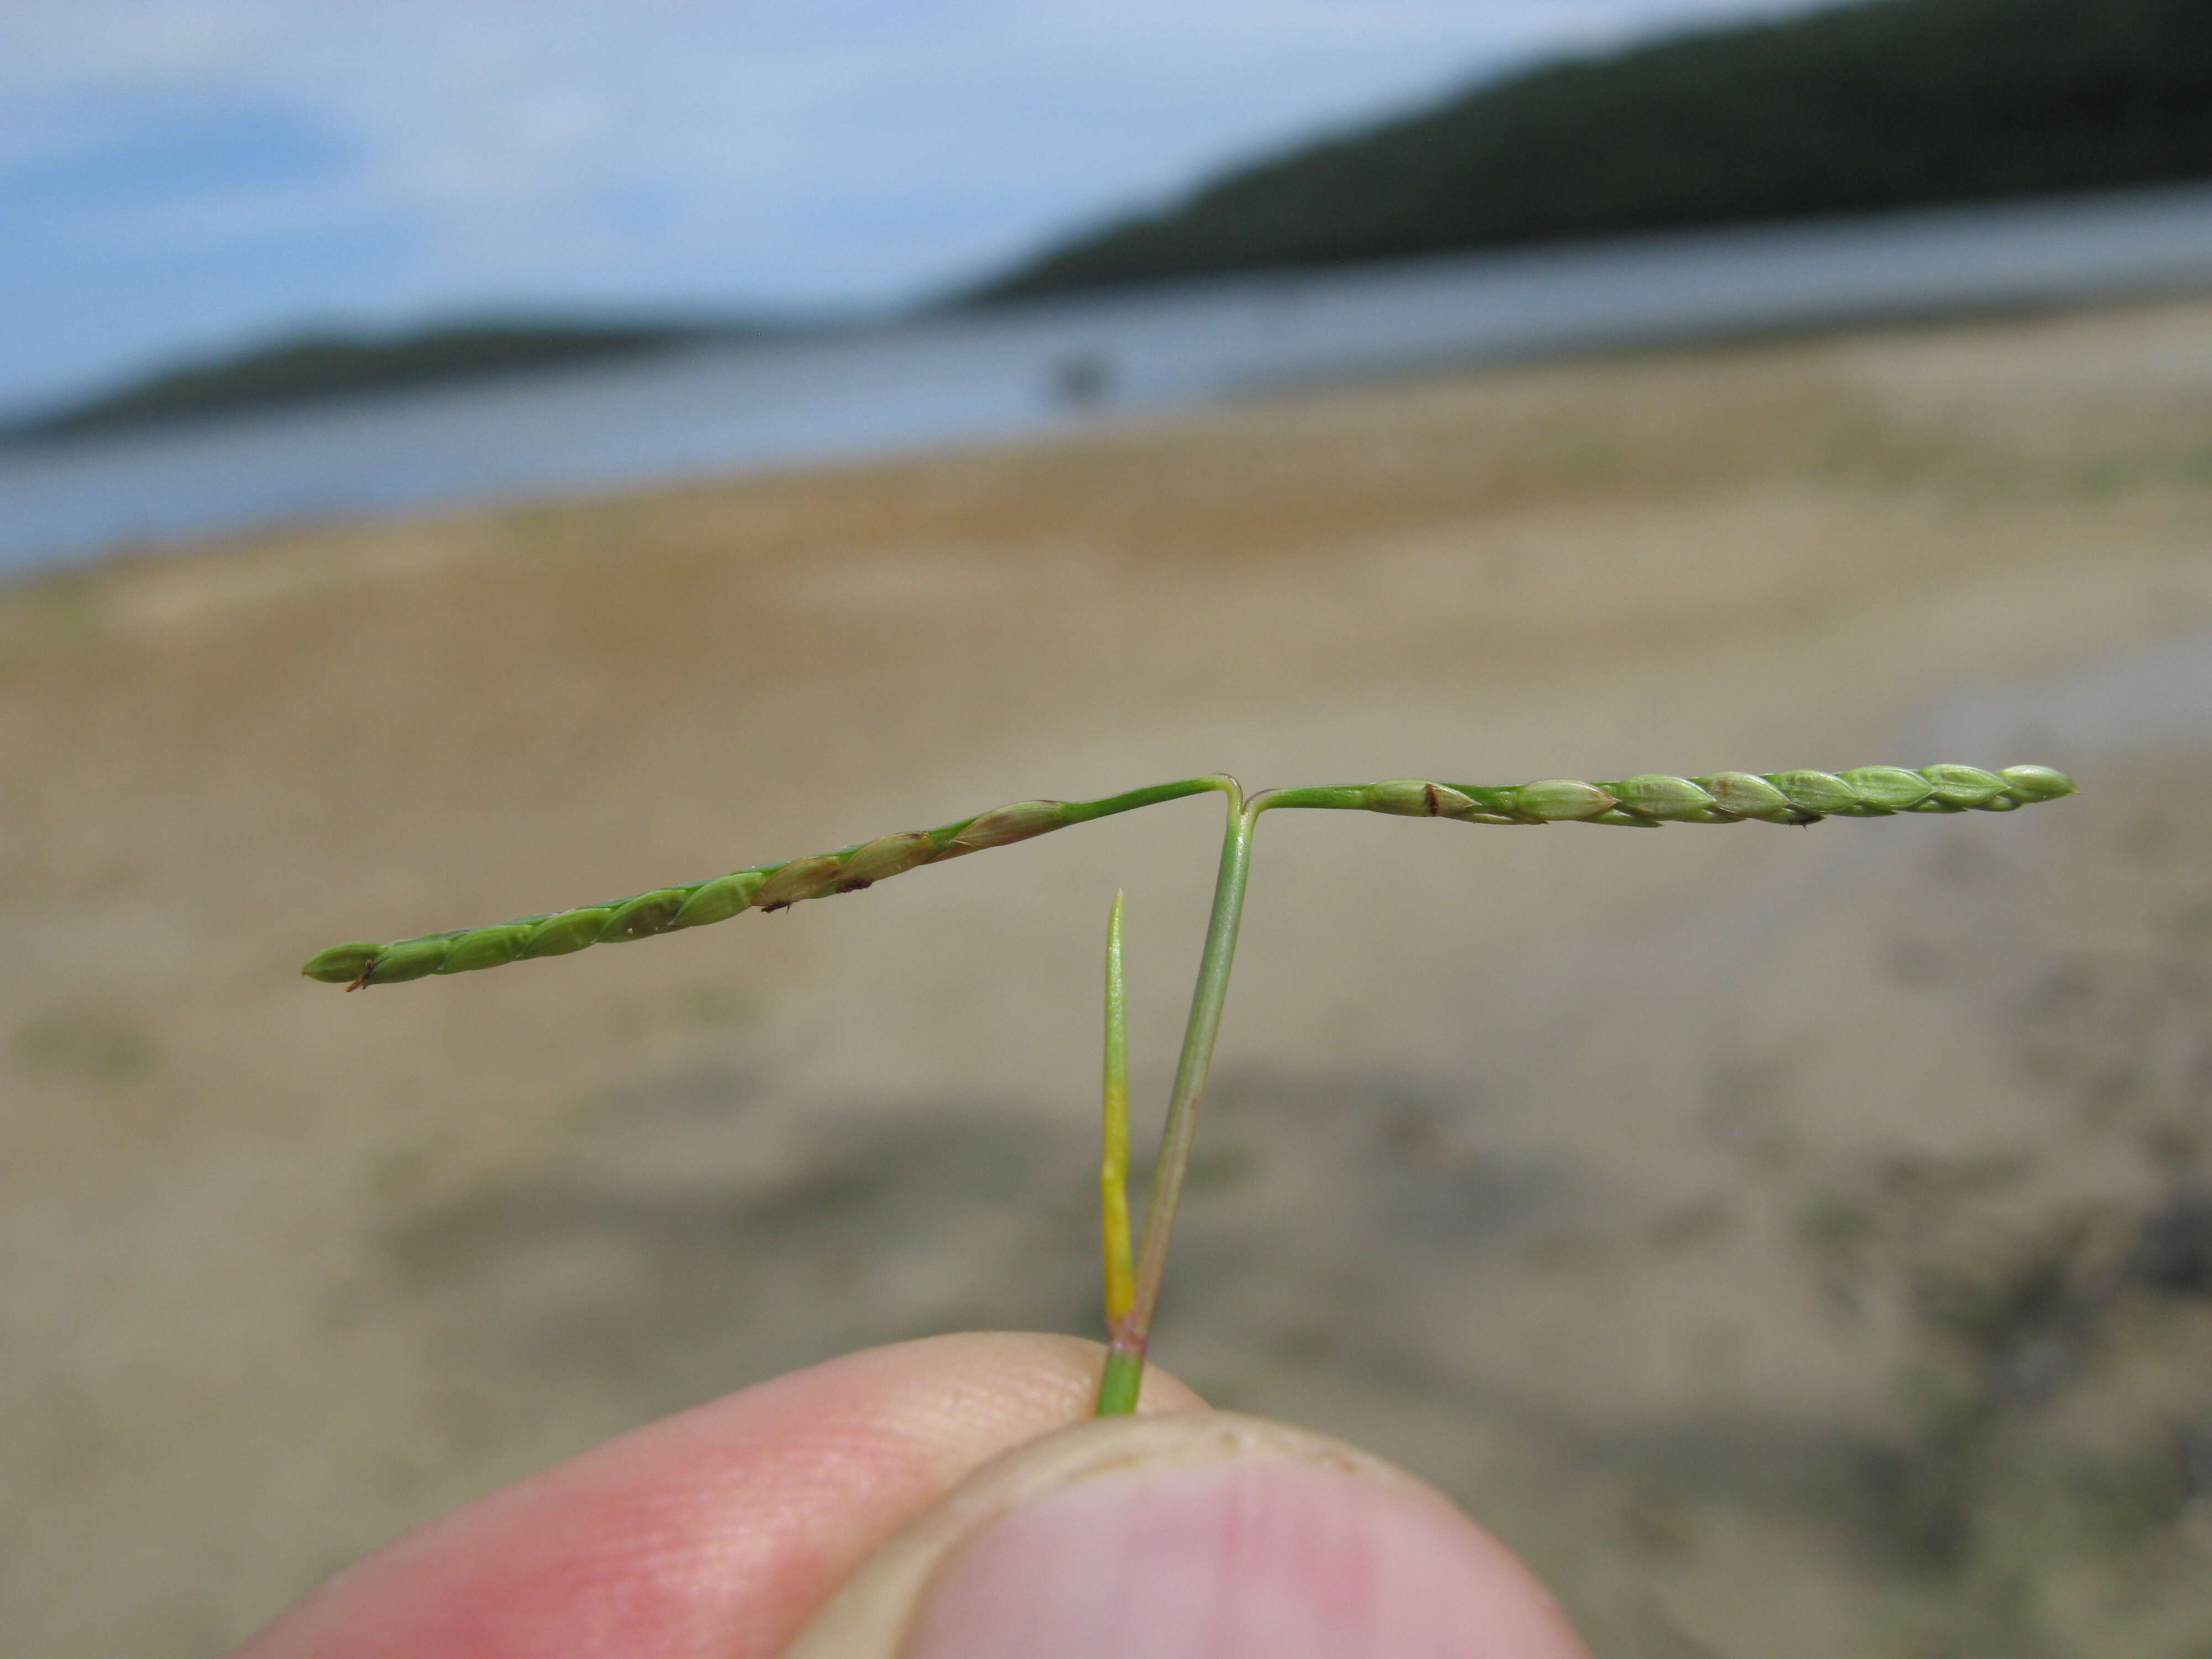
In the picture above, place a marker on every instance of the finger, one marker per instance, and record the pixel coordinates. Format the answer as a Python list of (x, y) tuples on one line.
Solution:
[(712, 1533), (1198, 1535)]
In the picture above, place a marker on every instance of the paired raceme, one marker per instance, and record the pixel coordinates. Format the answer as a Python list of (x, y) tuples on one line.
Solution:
[(1645, 801), (1132, 1279)]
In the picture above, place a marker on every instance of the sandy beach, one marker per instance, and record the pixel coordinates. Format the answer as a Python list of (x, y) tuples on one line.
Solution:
[(1792, 1241)]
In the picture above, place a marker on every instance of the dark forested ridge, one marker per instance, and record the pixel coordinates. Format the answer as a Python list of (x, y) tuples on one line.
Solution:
[(318, 366), (1889, 104)]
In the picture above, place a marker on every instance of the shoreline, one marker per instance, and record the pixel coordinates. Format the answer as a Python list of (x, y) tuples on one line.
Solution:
[(1594, 1182)]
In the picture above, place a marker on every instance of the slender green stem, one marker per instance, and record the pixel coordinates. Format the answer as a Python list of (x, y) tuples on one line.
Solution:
[(1124, 1371), (1119, 1380), (1206, 1006), (1084, 811), (1114, 1156)]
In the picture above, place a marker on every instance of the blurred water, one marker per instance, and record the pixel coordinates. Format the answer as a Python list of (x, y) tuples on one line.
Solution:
[(950, 379)]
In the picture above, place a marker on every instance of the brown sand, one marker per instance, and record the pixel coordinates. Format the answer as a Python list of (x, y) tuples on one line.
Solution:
[(1794, 1243)]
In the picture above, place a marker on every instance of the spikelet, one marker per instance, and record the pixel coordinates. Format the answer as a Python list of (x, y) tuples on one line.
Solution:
[(1647, 800)]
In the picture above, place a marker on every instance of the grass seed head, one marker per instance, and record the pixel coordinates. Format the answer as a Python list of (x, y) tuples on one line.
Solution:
[(2031, 784), (643, 916), (559, 934), (1411, 798), (1747, 795), (1645, 801), (1550, 800), (486, 947), (1821, 793), (719, 899), (1002, 825), (341, 965), (1964, 788), (1655, 795), (1888, 788), (410, 958), (802, 878), (888, 855)]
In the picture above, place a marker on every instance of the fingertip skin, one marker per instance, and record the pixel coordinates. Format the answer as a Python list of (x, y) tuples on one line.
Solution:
[(710, 1534), (1195, 1534)]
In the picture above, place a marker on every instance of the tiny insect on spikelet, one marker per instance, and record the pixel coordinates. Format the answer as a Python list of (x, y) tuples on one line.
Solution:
[(1649, 800)]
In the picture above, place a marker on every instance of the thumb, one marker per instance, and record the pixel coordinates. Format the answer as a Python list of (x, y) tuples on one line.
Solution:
[(1191, 1535)]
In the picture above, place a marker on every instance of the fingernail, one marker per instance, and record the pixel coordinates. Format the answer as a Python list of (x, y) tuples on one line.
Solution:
[(1233, 1560)]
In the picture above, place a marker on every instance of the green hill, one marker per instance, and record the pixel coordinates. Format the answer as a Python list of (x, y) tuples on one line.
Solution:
[(1893, 104), (315, 367)]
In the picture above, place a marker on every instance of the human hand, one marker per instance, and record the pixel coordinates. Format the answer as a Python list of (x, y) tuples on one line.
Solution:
[(935, 1498)]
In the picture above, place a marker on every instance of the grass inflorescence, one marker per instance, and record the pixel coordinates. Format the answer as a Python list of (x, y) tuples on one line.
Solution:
[(1649, 800), (1644, 801)]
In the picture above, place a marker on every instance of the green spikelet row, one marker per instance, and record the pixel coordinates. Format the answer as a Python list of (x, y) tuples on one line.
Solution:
[(666, 910), (1648, 801), (1654, 798)]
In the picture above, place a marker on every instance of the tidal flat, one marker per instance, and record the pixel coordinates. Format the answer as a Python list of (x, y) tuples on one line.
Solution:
[(1791, 1241)]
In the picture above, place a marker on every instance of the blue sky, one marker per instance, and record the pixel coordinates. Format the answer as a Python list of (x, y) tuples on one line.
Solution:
[(186, 176)]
